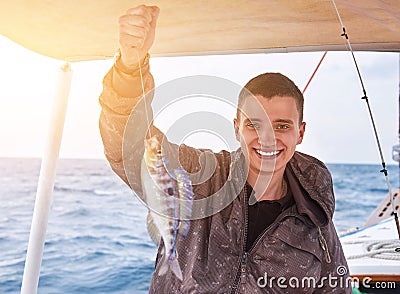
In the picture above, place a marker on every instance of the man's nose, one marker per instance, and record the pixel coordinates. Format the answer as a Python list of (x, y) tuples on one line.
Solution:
[(266, 137)]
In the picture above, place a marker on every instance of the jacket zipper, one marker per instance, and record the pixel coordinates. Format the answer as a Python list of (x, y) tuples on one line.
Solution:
[(241, 272), (242, 269)]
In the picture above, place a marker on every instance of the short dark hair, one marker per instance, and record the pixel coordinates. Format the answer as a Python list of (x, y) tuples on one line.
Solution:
[(272, 84)]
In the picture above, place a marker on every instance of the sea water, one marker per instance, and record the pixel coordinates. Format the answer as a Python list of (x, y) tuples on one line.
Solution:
[(96, 239)]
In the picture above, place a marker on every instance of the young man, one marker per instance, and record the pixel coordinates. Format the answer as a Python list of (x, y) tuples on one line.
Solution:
[(286, 241)]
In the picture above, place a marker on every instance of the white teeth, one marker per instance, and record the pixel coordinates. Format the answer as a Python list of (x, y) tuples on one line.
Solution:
[(263, 153)]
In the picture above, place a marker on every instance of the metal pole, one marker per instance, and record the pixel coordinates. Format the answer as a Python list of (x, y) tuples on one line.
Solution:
[(45, 187), (396, 148)]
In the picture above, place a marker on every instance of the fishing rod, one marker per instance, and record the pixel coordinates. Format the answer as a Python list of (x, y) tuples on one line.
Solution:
[(365, 98)]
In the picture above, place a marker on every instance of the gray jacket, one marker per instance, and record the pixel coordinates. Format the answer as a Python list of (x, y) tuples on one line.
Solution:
[(299, 253)]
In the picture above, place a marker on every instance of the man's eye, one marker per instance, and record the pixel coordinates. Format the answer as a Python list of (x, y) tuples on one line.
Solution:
[(282, 127), (253, 125)]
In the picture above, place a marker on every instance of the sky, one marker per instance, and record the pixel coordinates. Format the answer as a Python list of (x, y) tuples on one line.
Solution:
[(338, 126)]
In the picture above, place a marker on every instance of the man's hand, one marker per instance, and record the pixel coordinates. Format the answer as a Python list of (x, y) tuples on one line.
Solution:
[(136, 33)]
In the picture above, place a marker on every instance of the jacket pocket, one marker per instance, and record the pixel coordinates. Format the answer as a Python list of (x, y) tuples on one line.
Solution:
[(300, 237)]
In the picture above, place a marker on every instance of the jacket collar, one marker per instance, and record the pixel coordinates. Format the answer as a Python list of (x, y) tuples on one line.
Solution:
[(311, 184)]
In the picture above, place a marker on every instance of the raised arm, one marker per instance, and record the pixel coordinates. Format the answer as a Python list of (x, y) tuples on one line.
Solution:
[(122, 85), (123, 113), (122, 94)]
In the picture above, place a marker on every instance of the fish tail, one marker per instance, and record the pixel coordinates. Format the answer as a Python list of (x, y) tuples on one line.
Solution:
[(163, 268), (173, 264), (176, 269)]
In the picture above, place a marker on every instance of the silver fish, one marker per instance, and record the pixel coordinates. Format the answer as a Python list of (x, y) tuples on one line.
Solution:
[(170, 199)]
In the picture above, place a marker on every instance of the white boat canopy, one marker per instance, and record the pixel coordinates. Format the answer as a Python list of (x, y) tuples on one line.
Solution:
[(77, 30)]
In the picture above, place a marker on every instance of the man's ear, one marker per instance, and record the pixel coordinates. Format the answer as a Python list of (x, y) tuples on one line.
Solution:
[(302, 129), (236, 126)]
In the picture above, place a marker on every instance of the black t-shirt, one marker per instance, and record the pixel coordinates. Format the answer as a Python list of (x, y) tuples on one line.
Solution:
[(263, 213)]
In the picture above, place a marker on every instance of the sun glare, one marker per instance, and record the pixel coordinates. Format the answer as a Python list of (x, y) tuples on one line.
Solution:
[(28, 89)]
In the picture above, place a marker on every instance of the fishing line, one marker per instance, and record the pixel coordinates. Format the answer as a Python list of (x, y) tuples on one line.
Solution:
[(365, 97), (143, 93)]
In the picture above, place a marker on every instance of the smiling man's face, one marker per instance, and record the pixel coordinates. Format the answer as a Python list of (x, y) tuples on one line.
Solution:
[(268, 130)]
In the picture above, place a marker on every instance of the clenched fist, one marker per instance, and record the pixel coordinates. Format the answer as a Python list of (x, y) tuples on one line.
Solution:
[(136, 33)]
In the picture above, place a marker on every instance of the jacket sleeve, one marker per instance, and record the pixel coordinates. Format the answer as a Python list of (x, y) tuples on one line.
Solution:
[(121, 93), (124, 122)]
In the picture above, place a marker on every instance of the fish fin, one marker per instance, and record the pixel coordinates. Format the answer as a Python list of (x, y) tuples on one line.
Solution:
[(184, 227), (185, 193), (152, 229), (186, 200), (176, 269), (173, 264), (163, 267)]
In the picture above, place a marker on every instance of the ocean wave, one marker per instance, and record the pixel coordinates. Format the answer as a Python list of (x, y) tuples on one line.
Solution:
[(106, 192), (378, 190), (108, 227), (75, 212), (73, 190), (10, 263)]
